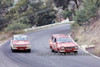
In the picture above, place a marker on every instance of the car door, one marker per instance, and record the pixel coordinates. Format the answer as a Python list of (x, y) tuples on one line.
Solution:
[(54, 44)]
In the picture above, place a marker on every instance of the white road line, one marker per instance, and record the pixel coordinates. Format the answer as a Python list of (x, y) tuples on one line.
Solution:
[(5, 42), (29, 29), (83, 49)]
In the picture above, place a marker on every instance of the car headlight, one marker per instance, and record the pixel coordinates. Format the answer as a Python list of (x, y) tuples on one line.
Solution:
[(62, 48)]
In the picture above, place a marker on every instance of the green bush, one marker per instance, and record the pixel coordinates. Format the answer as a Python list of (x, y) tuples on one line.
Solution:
[(16, 26), (80, 17), (6, 3), (89, 11), (66, 14), (23, 20)]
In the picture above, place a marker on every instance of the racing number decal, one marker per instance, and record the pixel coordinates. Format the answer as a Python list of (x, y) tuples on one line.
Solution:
[(54, 45)]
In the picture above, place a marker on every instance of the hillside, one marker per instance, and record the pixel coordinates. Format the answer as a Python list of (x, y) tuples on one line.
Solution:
[(89, 37)]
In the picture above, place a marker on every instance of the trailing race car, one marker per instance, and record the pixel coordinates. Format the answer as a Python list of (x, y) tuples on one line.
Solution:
[(20, 42), (62, 43)]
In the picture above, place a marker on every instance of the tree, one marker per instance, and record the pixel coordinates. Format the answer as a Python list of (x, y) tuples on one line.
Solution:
[(22, 5), (46, 17), (36, 6), (65, 3), (16, 26), (80, 17), (89, 11), (67, 14), (35, 13), (6, 3)]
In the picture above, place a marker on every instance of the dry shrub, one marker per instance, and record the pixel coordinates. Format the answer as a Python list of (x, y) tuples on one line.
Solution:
[(3, 36), (6, 35), (97, 51), (85, 38)]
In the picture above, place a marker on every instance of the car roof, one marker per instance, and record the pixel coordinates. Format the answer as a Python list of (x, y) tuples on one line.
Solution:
[(20, 35), (59, 35)]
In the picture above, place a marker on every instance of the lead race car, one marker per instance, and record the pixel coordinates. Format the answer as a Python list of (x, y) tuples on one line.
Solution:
[(62, 43), (20, 42)]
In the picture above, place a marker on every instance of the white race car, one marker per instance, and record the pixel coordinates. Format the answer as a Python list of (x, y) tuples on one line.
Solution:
[(20, 42)]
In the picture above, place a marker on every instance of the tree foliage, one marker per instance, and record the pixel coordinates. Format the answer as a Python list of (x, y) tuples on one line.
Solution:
[(31, 13), (65, 3), (67, 14), (6, 3), (89, 11), (16, 26)]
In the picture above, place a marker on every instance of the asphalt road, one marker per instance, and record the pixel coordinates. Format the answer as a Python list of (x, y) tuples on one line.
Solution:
[(41, 55)]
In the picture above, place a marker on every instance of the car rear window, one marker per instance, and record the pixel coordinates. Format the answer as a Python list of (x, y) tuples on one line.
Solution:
[(63, 40), (20, 38)]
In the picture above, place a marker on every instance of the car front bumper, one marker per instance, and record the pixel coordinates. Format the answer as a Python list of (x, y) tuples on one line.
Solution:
[(71, 50)]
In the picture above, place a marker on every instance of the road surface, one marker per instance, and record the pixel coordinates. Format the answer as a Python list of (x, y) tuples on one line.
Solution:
[(40, 49)]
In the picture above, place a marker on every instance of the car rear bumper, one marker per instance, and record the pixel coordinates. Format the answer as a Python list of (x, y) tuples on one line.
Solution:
[(20, 48)]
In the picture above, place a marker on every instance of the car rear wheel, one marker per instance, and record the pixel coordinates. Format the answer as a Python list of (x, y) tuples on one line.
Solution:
[(75, 52), (29, 50), (12, 49)]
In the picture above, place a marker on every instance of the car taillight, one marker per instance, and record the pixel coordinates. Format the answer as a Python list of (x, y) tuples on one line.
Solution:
[(14, 45), (28, 45), (62, 48), (76, 47)]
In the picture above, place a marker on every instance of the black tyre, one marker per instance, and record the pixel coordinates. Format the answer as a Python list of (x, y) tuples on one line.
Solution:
[(13, 50), (29, 50), (75, 52), (52, 50)]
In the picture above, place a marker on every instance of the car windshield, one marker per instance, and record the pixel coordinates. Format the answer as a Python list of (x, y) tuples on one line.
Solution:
[(19, 38), (63, 40)]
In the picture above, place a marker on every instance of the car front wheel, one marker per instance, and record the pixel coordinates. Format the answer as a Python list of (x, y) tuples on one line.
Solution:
[(52, 50), (50, 47)]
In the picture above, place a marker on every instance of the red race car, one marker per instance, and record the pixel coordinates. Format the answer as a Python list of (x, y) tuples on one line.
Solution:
[(62, 43), (20, 42)]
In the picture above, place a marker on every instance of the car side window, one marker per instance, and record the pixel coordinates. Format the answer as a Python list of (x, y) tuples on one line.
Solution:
[(54, 39)]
